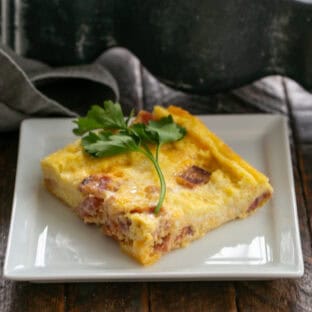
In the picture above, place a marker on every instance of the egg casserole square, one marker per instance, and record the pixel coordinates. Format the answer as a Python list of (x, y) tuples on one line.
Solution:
[(207, 185)]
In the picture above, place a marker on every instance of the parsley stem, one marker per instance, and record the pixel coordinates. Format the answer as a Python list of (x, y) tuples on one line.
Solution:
[(162, 180), (157, 152)]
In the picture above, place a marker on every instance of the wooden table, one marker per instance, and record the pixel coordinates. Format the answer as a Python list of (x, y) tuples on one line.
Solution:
[(274, 94)]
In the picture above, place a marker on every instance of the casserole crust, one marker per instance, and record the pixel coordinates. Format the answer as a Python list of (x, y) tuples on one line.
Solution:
[(207, 185)]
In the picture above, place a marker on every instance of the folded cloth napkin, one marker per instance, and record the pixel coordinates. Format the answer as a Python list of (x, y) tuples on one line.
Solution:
[(19, 96), (29, 88)]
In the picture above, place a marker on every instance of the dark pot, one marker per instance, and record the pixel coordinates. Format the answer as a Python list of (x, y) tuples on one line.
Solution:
[(202, 46)]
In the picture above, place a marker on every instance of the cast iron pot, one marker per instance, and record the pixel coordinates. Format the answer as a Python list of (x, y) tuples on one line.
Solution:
[(202, 46)]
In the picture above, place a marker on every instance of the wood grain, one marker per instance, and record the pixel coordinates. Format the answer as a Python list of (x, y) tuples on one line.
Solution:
[(109, 297), (8, 150), (305, 154), (192, 296), (27, 297)]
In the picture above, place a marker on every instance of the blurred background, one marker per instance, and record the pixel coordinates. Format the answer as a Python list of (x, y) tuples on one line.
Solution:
[(207, 56), (199, 46)]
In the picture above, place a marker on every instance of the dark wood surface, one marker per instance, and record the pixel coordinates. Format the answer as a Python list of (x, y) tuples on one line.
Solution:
[(275, 95)]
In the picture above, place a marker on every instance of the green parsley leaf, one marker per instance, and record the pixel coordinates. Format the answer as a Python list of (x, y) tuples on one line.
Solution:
[(139, 130), (109, 117), (107, 144), (166, 130), (126, 138)]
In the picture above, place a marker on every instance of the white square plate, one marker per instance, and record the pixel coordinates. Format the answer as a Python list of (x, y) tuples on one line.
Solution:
[(47, 242)]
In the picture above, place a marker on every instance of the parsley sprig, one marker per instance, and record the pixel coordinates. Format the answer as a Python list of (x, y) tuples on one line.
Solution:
[(106, 132)]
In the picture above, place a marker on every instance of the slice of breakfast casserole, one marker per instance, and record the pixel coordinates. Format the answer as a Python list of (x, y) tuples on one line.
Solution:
[(207, 184)]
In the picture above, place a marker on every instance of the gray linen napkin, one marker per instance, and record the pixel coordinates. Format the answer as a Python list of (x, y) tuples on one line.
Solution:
[(120, 72), (19, 97)]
